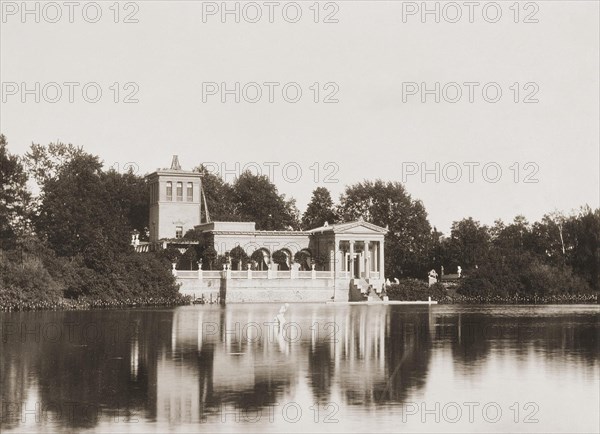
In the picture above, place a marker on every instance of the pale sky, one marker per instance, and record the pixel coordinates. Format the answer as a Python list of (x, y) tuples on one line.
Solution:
[(372, 132)]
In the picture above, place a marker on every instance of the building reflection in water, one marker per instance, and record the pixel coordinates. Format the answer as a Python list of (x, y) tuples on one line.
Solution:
[(234, 358), (191, 364)]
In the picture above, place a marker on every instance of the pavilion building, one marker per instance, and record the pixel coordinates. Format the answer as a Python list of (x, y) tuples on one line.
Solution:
[(340, 255)]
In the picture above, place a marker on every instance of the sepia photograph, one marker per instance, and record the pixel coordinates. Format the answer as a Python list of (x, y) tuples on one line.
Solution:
[(309, 216)]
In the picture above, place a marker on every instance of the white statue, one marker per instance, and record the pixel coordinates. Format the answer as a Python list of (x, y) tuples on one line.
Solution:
[(432, 277), (459, 271)]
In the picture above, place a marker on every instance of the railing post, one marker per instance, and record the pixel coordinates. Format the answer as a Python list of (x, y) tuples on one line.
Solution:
[(294, 270), (270, 271), (225, 274)]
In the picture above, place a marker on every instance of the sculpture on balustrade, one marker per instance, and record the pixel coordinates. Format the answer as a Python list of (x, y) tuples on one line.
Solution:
[(432, 277)]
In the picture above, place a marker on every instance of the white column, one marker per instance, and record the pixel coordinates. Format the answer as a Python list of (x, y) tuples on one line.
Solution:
[(367, 258), (340, 258), (381, 261), (332, 257), (351, 259)]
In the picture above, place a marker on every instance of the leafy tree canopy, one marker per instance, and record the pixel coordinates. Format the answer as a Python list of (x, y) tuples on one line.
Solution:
[(14, 197), (319, 210), (388, 204)]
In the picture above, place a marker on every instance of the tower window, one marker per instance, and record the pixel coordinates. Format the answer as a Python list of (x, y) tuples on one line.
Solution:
[(179, 191), (190, 192), (179, 232), (169, 190)]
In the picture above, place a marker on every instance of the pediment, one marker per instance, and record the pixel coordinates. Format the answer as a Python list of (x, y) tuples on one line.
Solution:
[(357, 227), (360, 227)]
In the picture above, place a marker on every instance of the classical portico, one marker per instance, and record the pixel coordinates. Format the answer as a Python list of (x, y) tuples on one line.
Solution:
[(355, 249)]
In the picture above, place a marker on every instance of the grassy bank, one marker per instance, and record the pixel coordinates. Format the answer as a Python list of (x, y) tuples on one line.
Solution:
[(417, 290)]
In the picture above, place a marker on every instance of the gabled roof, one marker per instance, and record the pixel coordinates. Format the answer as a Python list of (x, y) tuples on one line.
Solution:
[(358, 226)]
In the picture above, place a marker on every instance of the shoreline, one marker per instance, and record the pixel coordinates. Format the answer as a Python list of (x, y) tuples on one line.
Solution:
[(134, 304), (72, 305)]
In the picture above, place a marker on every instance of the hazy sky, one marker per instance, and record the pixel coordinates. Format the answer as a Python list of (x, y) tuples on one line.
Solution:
[(378, 129)]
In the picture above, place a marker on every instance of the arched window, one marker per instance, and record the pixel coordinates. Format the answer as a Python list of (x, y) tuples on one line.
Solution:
[(169, 190), (179, 191), (190, 192)]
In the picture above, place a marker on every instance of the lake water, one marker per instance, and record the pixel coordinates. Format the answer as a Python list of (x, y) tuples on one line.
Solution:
[(336, 368)]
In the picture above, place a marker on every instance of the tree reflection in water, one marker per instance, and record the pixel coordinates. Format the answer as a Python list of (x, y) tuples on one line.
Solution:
[(188, 364)]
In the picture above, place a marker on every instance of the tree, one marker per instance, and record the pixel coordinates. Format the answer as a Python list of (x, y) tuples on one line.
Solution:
[(14, 197), (516, 236), (239, 258), (130, 192), (219, 197), (256, 199), (409, 241), (303, 258), (319, 210), (468, 245), (260, 259), (45, 162), (190, 257), (78, 215), (209, 257), (171, 254), (549, 238), (584, 256), (281, 258)]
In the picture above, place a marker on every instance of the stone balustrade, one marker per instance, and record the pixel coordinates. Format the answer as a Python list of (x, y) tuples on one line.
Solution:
[(250, 274)]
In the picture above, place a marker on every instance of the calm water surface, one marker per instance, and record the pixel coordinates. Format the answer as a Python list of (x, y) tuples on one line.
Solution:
[(331, 368)]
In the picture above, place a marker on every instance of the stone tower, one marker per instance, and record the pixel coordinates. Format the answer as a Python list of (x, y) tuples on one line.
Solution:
[(175, 197)]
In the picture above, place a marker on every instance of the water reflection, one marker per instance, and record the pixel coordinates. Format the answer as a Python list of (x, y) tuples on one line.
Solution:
[(225, 367)]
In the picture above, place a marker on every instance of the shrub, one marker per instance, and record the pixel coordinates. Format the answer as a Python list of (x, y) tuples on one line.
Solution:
[(303, 258), (239, 258), (415, 290), (281, 258), (474, 286)]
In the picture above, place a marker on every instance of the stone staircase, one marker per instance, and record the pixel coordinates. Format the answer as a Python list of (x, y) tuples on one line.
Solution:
[(359, 288)]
